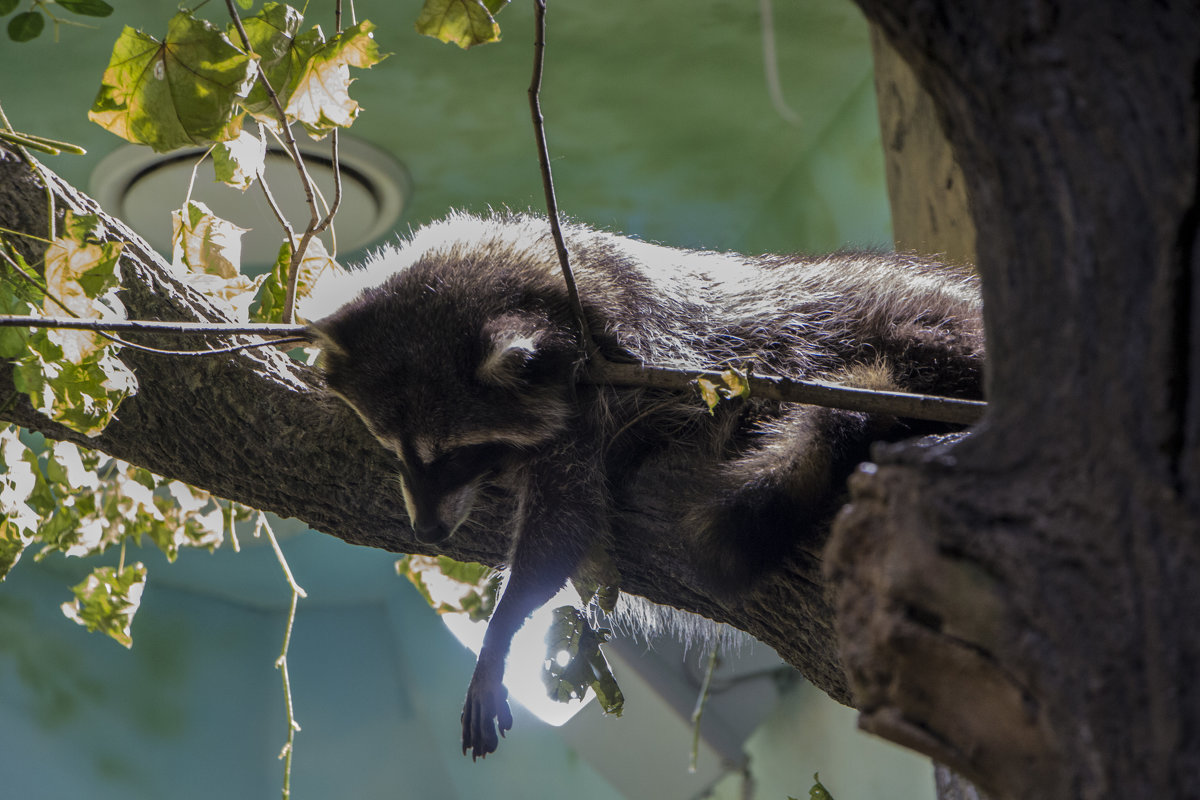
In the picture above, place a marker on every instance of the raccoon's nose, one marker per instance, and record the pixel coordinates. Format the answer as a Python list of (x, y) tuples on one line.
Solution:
[(431, 531)]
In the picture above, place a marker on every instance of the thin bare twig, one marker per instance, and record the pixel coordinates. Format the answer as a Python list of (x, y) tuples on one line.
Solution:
[(316, 223), (791, 390), (156, 326), (539, 129)]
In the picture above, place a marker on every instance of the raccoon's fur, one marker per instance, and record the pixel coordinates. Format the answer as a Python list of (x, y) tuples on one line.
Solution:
[(459, 351)]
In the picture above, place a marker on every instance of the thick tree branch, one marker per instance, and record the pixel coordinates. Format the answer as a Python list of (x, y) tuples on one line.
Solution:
[(256, 427)]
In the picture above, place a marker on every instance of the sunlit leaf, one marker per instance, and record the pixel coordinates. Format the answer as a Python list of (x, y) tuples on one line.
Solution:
[(178, 92), (452, 587), (84, 395), (282, 54), (733, 383), (240, 161), (321, 99), (465, 23), (203, 242), (268, 304), (574, 662), (107, 601), (18, 520), (78, 274)]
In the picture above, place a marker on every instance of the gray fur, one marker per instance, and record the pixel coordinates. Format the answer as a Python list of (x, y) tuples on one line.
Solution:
[(458, 349)]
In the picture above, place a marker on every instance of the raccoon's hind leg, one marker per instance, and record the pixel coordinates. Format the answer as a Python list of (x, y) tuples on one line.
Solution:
[(756, 507)]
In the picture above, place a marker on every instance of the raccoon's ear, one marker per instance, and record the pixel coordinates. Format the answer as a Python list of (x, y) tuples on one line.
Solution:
[(513, 345)]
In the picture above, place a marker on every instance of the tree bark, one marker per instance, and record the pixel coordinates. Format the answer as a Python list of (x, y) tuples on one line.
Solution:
[(258, 428), (1018, 606)]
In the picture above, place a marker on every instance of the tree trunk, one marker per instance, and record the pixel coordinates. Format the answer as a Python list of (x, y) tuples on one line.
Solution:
[(1017, 606)]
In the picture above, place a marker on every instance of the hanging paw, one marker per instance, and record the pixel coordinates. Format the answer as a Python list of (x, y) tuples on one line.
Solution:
[(486, 710)]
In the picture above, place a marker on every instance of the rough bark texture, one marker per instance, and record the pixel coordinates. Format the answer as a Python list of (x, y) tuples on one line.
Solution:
[(1020, 606), (930, 214), (257, 428)]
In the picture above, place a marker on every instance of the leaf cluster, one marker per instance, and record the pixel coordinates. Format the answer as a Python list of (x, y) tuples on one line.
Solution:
[(195, 86)]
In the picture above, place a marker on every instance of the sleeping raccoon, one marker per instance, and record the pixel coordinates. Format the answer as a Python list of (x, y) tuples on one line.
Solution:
[(459, 351)]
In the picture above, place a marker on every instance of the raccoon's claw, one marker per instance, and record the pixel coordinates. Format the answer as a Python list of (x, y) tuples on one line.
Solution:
[(485, 710)]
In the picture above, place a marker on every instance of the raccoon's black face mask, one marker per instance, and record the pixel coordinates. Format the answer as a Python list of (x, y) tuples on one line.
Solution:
[(459, 413)]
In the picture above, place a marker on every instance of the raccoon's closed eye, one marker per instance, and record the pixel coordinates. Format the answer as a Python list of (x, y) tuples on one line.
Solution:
[(467, 463)]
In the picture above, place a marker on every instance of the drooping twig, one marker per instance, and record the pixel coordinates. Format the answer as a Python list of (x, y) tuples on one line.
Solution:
[(539, 131)]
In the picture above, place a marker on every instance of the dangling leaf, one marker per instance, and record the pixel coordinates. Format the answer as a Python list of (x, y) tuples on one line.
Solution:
[(179, 92), (240, 161), (311, 77), (203, 242), (465, 23), (268, 304), (282, 54), (26, 26), (87, 8), (321, 100), (452, 587), (78, 274), (574, 662), (107, 600)]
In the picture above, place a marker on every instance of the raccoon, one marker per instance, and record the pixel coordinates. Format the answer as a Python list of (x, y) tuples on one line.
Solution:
[(459, 350)]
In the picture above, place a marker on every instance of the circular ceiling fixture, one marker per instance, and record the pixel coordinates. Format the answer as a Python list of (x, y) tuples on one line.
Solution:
[(142, 188)]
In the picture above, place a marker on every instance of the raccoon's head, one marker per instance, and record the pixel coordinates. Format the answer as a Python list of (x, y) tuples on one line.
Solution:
[(462, 395)]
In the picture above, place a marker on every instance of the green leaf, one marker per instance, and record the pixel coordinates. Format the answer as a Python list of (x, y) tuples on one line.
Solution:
[(310, 76), (19, 522), (82, 228), (179, 92), (316, 263), (88, 8), (268, 303), (452, 587), (321, 98), (25, 26), (203, 242), (84, 395), (8, 6), (465, 23), (574, 662), (13, 341), (107, 600), (272, 36), (818, 792), (239, 162), (78, 274), (733, 383)]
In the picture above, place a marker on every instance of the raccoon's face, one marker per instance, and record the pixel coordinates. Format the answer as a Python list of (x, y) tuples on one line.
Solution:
[(461, 411), (440, 492)]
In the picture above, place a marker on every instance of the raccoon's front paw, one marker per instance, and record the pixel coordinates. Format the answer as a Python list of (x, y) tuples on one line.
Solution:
[(486, 709)]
